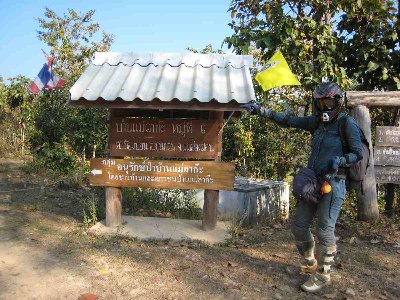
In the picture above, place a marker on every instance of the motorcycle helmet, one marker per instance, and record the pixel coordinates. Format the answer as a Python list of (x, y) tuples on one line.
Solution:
[(328, 100)]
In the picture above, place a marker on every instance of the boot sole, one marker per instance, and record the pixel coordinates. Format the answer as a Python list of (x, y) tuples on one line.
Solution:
[(305, 289)]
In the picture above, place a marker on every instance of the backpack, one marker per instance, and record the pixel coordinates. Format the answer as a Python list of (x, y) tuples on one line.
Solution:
[(356, 173)]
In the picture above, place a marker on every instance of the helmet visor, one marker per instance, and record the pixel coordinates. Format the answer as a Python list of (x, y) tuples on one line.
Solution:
[(326, 103)]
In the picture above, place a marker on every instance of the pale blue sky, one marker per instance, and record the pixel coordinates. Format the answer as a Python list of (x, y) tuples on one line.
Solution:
[(148, 25)]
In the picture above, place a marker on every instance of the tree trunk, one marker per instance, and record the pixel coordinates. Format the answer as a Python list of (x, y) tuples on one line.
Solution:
[(22, 130), (367, 198)]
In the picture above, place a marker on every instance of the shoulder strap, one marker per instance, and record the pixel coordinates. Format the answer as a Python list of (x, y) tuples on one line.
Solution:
[(342, 123)]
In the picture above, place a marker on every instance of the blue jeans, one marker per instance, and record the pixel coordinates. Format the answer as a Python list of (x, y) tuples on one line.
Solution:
[(326, 212)]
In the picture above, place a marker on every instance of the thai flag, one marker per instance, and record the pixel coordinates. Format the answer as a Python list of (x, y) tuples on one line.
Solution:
[(46, 78)]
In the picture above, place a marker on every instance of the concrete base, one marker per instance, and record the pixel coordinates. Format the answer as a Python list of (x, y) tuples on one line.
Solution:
[(253, 200), (148, 228)]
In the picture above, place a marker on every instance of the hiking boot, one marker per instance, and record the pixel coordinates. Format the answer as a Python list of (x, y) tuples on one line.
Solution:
[(322, 277), (306, 266), (316, 282)]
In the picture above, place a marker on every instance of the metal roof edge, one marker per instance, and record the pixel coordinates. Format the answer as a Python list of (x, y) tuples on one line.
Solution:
[(174, 59)]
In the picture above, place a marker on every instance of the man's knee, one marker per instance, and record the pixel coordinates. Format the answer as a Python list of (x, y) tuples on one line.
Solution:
[(326, 235), (300, 233)]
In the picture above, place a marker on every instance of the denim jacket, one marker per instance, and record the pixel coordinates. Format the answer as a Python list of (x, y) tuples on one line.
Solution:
[(326, 141)]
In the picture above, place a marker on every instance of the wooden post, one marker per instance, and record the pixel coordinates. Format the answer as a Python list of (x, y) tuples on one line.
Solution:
[(367, 199), (390, 188), (210, 209), (211, 197), (113, 206), (113, 194)]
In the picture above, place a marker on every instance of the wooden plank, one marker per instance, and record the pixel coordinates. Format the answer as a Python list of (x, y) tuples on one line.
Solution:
[(157, 104), (161, 174), (373, 99), (387, 136), (387, 174), (387, 156), (167, 138)]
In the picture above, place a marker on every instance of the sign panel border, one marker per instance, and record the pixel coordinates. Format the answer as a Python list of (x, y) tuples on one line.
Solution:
[(170, 174)]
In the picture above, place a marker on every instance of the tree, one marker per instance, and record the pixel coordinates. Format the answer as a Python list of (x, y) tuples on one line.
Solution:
[(73, 39), (370, 41), (303, 30), (305, 35), (207, 49), (368, 34), (18, 106), (63, 132)]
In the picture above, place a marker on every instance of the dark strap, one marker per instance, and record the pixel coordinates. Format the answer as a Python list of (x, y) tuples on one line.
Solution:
[(342, 123)]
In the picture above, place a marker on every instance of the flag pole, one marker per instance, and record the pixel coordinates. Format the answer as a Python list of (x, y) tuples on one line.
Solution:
[(45, 54)]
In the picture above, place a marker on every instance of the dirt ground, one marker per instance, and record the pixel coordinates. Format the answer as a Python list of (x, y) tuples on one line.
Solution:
[(46, 254)]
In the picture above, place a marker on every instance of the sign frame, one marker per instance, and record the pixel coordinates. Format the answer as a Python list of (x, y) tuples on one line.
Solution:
[(165, 137), (159, 174)]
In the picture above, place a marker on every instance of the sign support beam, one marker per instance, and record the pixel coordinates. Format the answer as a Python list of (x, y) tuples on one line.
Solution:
[(113, 195), (211, 197), (113, 206)]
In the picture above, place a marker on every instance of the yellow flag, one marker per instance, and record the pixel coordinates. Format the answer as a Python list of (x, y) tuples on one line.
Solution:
[(276, 73)]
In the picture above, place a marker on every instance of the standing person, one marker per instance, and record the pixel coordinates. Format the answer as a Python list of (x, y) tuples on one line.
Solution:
[(327, 161)]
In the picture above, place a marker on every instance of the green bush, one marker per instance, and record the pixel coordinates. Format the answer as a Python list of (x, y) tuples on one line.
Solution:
[(58, 157), (93, 209)]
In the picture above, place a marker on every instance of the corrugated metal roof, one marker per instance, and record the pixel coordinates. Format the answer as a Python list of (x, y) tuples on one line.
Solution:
[(166, 76)]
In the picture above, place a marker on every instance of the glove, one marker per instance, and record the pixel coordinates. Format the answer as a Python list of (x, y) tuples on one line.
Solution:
[(266, 112), (336, 162), (252, 108)]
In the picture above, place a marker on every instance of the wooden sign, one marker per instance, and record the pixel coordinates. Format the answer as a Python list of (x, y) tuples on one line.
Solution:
[(387, 136), (208, 175), (387, 156), (154, 137), (387, 174)]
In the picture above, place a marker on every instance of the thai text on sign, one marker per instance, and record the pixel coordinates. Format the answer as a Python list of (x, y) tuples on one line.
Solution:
[(153, 137), (387, 156), (162, 174), (387, 136), (387, 174)]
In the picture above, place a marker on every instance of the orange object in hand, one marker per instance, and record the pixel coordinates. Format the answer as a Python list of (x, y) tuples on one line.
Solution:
[(326, 188)]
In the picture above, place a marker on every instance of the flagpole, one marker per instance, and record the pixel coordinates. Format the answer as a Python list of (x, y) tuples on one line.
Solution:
[(45, 54)]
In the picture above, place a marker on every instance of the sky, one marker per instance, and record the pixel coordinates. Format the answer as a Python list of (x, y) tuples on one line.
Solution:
[(137, 25)]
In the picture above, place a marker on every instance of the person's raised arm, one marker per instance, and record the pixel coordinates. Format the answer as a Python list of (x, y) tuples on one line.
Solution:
[(282, 118)]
